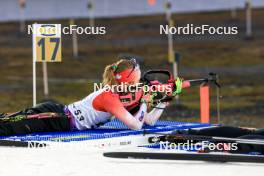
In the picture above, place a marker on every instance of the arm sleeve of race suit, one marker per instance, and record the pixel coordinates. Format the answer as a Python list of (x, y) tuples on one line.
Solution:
[(154, 115), (116, 108)]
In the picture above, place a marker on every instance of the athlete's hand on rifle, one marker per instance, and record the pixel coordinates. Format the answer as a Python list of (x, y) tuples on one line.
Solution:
[(150, 100), (178, 86), (148, 97)]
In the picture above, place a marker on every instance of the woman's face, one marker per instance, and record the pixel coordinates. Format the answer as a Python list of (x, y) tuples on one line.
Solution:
[(136, 77)]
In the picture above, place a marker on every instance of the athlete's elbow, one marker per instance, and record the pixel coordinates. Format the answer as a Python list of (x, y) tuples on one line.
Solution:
[(149, 122), (135, 126)]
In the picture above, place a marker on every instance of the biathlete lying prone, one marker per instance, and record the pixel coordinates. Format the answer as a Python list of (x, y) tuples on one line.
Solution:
[(92, 111)]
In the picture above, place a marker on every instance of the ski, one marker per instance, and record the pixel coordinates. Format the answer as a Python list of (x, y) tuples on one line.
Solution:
[(14, 117), (188, 156), (175, 137), (29, 144)]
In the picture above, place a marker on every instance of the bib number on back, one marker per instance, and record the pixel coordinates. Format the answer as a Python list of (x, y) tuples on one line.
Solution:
[(78, 114)]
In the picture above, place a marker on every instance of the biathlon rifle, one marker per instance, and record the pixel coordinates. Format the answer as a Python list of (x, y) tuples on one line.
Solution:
[(151, 79)]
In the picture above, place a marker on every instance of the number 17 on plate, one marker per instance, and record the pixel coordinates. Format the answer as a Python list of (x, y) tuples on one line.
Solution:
[(47, 42)]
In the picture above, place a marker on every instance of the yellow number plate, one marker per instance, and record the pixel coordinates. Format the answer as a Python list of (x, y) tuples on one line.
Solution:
[(47, 42), (48, 49)]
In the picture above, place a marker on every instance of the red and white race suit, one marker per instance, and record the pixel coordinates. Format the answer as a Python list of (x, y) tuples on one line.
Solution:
[(98, 108)]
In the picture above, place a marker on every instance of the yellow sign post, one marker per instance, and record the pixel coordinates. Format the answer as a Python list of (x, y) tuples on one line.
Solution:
[(46, 48)]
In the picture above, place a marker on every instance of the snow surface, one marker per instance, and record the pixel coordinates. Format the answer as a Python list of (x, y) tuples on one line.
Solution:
[(69, 161)]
